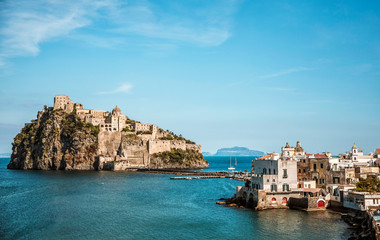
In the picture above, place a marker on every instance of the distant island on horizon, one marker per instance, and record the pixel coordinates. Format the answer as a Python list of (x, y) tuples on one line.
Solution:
[(235, 152)]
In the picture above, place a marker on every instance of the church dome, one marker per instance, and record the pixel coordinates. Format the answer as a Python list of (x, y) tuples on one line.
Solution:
[(116, 110), (354, 147), (298, 147)]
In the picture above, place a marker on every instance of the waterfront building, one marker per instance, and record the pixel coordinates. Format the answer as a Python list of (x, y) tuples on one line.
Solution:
[(361, 201), (337, 193), (276, 173), (274, 180), (303, 170), (318, 168)]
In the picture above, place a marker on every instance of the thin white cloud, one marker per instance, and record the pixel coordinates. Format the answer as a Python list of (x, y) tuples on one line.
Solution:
[(27, 24), (125, 88), (24, 25), (286, 72)]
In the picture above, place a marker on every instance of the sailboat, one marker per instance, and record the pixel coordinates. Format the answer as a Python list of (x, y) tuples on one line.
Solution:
[(231, 168)]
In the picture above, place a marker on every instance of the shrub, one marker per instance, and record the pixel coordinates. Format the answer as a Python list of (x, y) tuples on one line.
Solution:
[(370, 184)]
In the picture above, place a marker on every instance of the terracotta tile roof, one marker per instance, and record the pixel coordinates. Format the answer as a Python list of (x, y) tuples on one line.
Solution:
[(265, 157), (268, 156), (378, 151), (320, 155)]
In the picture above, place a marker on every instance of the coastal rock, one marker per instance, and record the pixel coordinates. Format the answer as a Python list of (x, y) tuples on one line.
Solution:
[(58, 140)]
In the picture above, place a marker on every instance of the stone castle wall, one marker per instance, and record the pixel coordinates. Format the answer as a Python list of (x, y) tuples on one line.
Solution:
[(109, 143), (156, 146)]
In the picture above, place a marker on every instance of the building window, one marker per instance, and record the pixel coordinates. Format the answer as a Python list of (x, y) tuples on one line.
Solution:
[(321, 165), (315, 167), (274, 171), (273, 188), (268, 180), (304, 170), (264, 171), (269, 171), (285, 173), (285, 187), (299, 170)]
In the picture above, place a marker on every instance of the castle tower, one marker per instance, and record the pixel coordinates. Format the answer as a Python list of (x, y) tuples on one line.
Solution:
[(63, 102)]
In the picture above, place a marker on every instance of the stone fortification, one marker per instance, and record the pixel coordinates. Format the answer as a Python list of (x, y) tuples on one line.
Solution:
[(68, 136)]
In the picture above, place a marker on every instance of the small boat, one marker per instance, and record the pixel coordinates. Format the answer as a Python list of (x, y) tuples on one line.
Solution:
[(235, 162), (231, 168)]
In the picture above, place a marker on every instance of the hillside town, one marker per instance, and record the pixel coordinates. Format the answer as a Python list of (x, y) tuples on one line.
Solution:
[(314, 182)]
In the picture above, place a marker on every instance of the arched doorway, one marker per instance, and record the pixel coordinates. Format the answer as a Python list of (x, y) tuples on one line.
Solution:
[(274, 202), (321, 203), (284, 201)]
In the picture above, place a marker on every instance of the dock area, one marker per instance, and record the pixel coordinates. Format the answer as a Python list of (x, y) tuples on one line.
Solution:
[(196, 177), (196, 174)]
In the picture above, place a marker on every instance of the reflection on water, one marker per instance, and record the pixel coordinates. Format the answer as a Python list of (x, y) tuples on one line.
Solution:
[(121, 205)]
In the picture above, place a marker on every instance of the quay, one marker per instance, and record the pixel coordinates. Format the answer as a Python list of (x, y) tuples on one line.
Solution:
[(196, 177), (192, 174)]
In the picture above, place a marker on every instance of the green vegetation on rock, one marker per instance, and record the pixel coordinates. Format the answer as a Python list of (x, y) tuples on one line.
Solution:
[(56, 141), (370, 184), (173, 136), (179, 157)]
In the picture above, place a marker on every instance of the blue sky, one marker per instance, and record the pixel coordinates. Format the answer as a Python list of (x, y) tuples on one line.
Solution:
[(222, 73)]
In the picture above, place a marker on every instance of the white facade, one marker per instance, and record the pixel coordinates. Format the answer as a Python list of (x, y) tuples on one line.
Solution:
[(274, 173), (361, 200)]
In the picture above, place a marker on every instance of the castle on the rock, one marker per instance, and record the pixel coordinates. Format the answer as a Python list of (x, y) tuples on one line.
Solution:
[(115, 151), (113, 121)]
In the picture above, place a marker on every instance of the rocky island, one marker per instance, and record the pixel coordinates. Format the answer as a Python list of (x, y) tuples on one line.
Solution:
[(70, 137)]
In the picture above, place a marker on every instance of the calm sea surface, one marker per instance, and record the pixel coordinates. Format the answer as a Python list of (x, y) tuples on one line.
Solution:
[(122, 205)]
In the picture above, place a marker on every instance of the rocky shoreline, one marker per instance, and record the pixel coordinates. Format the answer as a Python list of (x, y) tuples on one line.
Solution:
[(359, 222), (361, 225)]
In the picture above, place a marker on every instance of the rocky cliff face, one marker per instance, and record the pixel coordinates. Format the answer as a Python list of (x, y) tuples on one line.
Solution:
[(61, 141), (56, 141)]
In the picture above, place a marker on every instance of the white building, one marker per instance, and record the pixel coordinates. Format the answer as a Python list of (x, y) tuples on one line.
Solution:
[(275, 173), (356, 157), (361, 200)]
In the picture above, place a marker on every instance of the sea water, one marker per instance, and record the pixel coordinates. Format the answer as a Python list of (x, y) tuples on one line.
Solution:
[(130, 205)]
